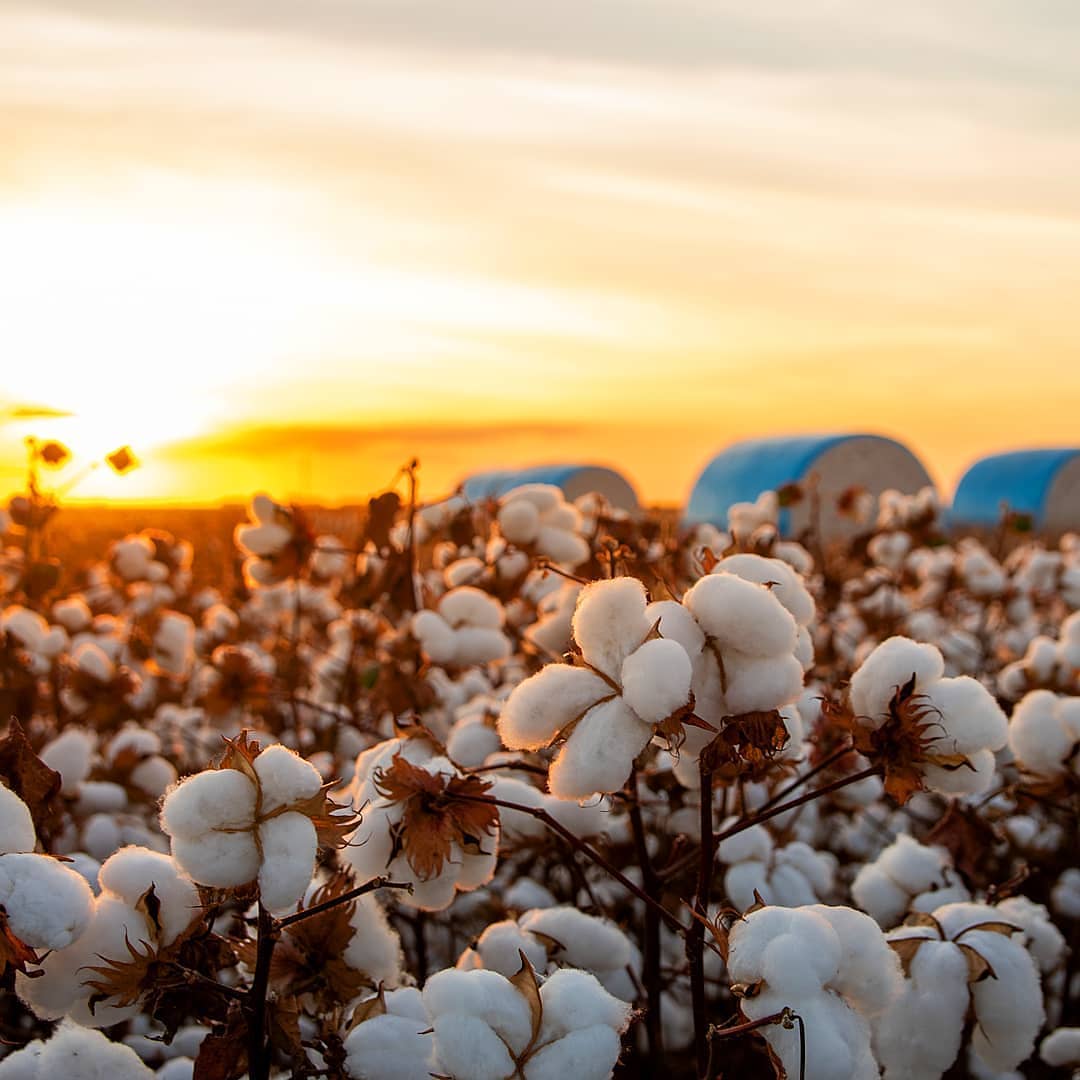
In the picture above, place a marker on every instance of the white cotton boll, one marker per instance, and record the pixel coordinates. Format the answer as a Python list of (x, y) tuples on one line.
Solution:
[(70, 754), (519, 521), (263, 541), (802, 871), (932, 1004), (787, 586), (479, 645), (1038, 738), (73, 614), (48, 905), (217, 798), (586, 1054), (971, 779), (289, 846), (75, 1053), (561, 546), (178, 1068), (742, 615), (972, 719), (469, 745), (588, 942), (220, 860), (133, 870), (1044, 940), (464, 572), (100, 797), (435, 635), (466, 1046), (154, 776), (469, 606), (600, 752), (101, 835), (887, 668), (753, 843), (17, 831), (544, 703), (285, 778), (435, 894), (760, 684), (609, 622), (391, 1047), (575, 1000), (483, 995), (1061, 1047), (497, 949), (375, 947), (676, 624), (526, 894), (656, 679), (744, 882), (869, 973), (906, 868)]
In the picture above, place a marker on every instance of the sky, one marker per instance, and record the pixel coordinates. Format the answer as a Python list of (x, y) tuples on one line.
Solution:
[(287, 246)]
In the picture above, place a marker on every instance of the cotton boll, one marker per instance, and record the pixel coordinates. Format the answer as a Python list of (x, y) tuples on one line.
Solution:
[(676, 624), (1060, 1047), (656, 679), (477, 645), (154, 776), (285, 778), (544, 703), (220, 860), (435, 635), (973, 720), (375, 947), (221, 798), (472, 607), (742, 615), (131, 872), (786, 586), (48, 905), (1043, 732), (561, 546), (483, 996), (466, 1046), (869, 971), (889, 667), (75, 1053), (101, 835), (886, 887), (586, 1054), (600, 752), (971, 779), (755, 684), (179, 1068), (17, 831), (391, 1047), (70, 754), (1044, 940), (575, 1000), (289, 846), (498, 947), (610, 623), (519, 521)]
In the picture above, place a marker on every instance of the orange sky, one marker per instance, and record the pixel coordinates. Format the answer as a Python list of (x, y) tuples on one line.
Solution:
[(288, 246)]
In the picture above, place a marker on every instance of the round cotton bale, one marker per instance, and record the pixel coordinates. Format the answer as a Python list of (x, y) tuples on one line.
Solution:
[(837, 462), (1042, 483), (574, 480)]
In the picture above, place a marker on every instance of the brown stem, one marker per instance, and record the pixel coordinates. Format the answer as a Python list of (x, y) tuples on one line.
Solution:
[(654, 984), (695, 938), (798, 782), (344, 898), (258, 1048)]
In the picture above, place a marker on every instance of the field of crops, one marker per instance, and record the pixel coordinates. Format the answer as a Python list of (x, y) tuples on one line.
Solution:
[(529, 788)]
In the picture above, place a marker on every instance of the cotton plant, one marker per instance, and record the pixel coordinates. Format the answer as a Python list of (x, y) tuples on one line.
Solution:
[(422, 822), (489, 1027), (537, 518), (44, 904), (258, 817), (1044, 736), (465, 628), (832, 967), (39, 643), (146, 904), (926, 731), (756, 869), (907, 877), (276, 542), (75, 1053), (555, 937), (962, 959), (604, 710), (1047, 664)]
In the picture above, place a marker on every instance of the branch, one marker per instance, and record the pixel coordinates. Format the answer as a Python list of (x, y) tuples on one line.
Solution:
[(344, 898)]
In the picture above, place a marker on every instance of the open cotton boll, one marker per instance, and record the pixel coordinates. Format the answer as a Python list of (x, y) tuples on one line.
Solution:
[(284, 777), (469, 606), (584, 941), (889, 667), (1044, 732), (971, 779), (397, 1045), (904, 873), (519, 521), (71, 754), (787, 586), (498, 948), (17, 831), (375, 947), (1061, 1047), (219, 798), (972, 719), (656, 679), (600, 752), (759, 683), (47, 904), (289, 845), (742, 615), (610, 623), (131, 871), (74, 1053), (545, 702)]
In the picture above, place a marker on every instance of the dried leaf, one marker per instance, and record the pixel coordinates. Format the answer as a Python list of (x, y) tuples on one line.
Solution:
[(978, 966), (15, 953), (29, 777), (526, 984), (382, 513), (906, 948)]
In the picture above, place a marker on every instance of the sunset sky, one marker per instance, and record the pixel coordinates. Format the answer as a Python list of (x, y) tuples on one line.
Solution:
[(287, 244)]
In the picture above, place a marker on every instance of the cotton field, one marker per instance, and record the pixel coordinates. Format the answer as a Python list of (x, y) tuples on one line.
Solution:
[(519, 788)]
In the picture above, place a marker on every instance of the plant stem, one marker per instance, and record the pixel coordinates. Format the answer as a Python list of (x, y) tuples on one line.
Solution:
[(344, 898), (695, 937), (798, 782), (258, 1050), (651, 961)]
